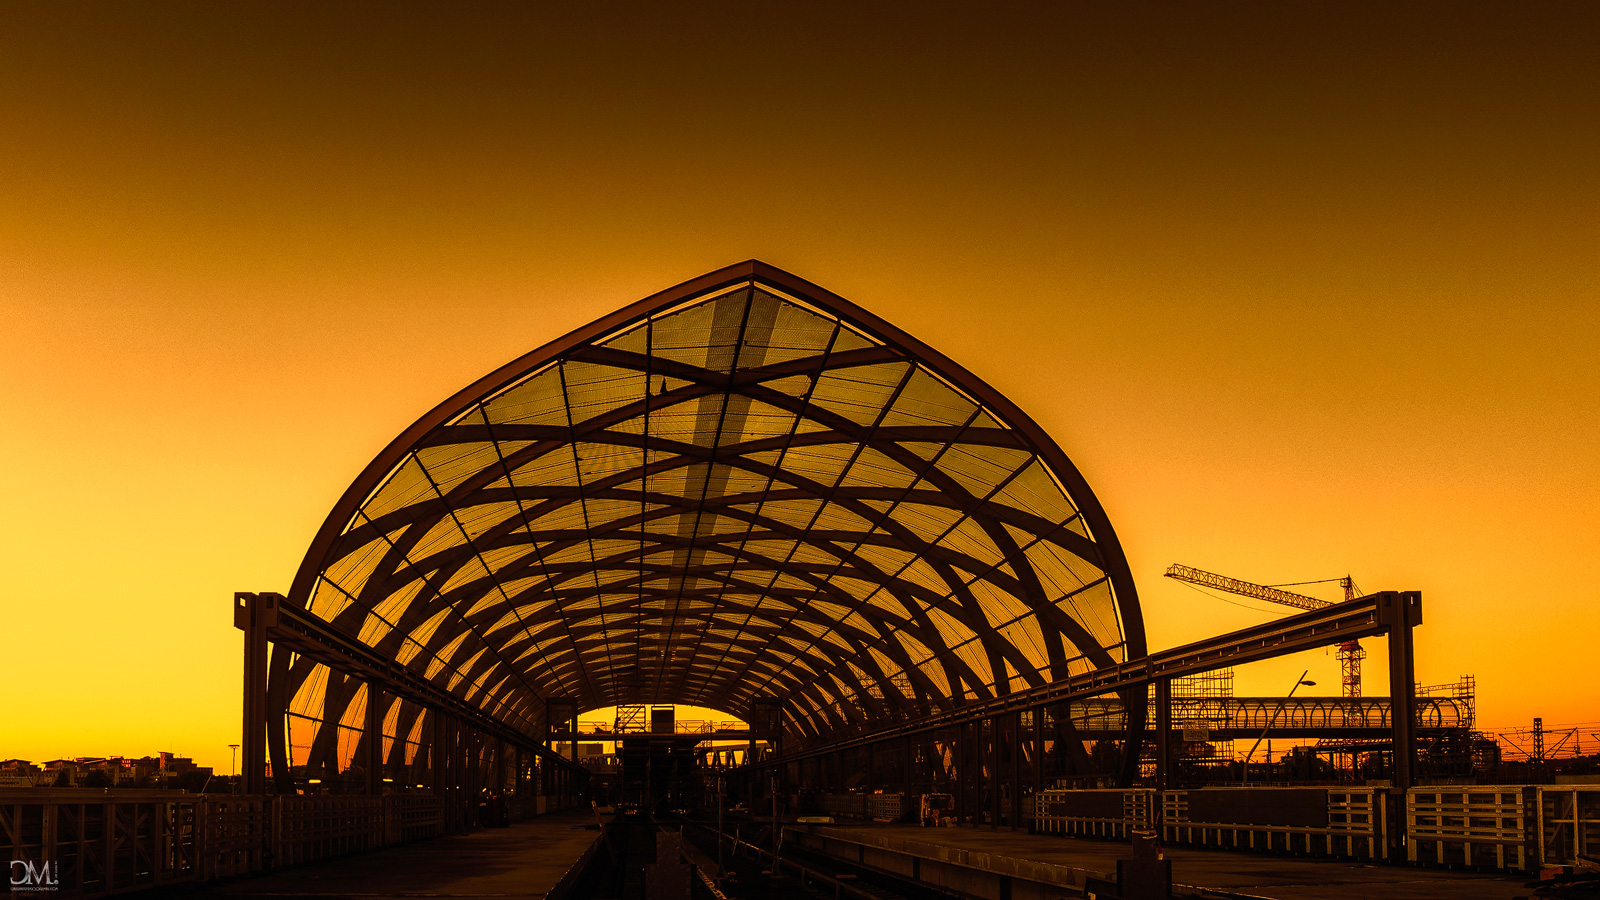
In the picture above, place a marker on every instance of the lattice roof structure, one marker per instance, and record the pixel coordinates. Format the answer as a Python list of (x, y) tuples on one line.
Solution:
[(742, 489)]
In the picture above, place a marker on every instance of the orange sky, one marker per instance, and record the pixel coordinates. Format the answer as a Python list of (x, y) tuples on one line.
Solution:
[(1302, 294)]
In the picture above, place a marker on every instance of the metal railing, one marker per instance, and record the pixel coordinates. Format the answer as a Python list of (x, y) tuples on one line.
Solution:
[(1509, 827), (1278, 716), (598, 729), (1107, 813), (1486, 825), (1346, 822), (1569, 823)]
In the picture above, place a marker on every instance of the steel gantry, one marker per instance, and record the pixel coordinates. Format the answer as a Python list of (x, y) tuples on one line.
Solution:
[(466, 753), (981, 746)]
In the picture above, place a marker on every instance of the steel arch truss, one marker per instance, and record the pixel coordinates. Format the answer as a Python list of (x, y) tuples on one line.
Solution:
[(742, 489)]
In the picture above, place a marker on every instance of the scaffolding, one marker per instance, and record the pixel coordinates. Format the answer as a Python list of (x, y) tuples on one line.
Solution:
[(1201, 714), (1451, 753), (1198, 712), (1465, 689)]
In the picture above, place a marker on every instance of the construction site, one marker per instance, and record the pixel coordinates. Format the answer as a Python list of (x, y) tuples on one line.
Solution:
[(862, 629)]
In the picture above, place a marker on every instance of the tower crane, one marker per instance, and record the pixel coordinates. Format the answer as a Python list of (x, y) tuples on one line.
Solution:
[(1350, 652)]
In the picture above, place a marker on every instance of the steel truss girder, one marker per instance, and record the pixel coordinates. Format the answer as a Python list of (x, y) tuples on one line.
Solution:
[(1362, 617), (305, 634)]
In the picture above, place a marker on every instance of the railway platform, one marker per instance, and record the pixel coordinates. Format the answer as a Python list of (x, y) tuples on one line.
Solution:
[(523, 861), (980, 862)]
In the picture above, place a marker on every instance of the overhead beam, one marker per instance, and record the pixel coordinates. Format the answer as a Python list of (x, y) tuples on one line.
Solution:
[(298, 630), (1351, 620)]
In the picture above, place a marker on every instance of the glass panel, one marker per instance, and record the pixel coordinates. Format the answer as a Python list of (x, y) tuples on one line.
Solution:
[(408, 485), (715, 546), (452, 464)]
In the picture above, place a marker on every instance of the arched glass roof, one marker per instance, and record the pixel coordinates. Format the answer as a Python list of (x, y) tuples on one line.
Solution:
[(744, 488)]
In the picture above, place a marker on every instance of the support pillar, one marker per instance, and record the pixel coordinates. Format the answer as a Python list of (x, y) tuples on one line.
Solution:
[(962, 753), (1401, 612), (458, 769), (374, 736), (254, 614), (994, 781), (1163, 736), (909, 784), (436, 753), (1038, 753), (1015, 737), (471, 757), (974, 772), (521, 783)]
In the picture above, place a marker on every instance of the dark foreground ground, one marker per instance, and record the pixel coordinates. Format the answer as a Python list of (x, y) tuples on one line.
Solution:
[(522, 862)]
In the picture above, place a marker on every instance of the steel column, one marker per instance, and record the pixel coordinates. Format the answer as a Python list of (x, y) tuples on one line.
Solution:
[(254, 614), (959, 752), (472, 759), (910, 770), (1038, 751), (1403, 612), (1014, 738), (995, 784), (1163, 737), (374, 736)]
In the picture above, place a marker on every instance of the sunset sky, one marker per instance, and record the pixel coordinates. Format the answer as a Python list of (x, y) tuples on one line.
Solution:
[(1302, 293)]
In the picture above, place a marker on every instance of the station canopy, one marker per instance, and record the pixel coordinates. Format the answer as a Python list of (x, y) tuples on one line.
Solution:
[(742, 489)]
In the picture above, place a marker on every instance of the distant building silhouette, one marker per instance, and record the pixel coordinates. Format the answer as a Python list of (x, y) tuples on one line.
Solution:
[(164, 771)]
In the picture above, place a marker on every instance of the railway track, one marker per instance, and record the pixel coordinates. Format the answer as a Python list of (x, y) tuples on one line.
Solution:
[(735, 865)]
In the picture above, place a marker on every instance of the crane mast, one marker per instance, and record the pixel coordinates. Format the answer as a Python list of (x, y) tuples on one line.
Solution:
[(1350, 652)]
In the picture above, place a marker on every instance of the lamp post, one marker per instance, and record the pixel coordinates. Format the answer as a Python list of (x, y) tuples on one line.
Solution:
[(1273, 718)]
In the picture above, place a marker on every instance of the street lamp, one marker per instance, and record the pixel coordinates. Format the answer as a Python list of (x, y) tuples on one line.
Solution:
[(235, 765), (1273, 718)]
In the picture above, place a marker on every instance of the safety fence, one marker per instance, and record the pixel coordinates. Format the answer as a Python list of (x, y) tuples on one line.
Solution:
[(1510, 827), (86, 843), (1094, 813), (886, 807), (843, 806), (1569, 823), (1477, 826), (1347, 823), (881, 807)]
